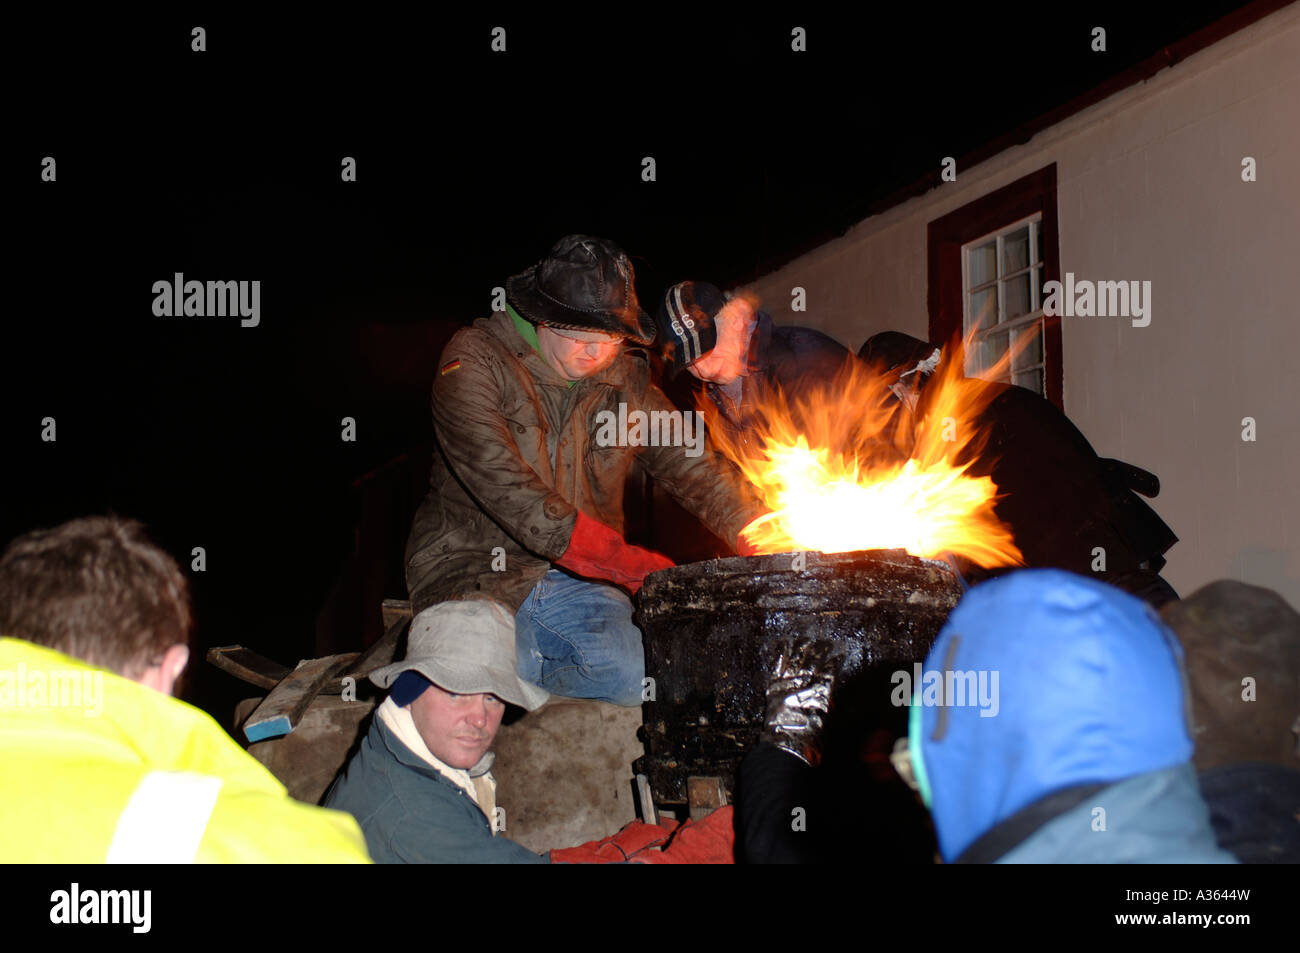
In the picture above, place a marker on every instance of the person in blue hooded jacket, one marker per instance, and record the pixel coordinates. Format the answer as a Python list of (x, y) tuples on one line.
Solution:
[(1051, 726)]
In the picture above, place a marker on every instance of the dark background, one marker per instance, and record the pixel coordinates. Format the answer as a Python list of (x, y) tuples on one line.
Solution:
[(224, 165)]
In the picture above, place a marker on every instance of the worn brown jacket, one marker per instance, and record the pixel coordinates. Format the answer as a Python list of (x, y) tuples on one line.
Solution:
[(517, 459)]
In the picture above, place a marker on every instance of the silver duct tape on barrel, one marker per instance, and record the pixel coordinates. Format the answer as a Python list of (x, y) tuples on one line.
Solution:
[(715, 632)]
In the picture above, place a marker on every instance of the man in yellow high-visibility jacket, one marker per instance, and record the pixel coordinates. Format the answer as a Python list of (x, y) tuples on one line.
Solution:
[(101, 764)]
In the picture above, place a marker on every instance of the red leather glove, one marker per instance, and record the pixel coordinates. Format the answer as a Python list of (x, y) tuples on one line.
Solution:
[(634, 837), (597, 551), (710, 841)]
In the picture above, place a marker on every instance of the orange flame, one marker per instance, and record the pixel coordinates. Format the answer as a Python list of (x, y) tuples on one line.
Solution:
[(853, 468)]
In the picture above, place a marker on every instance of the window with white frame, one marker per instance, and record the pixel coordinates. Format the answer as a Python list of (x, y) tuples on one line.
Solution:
[(1002, 281)]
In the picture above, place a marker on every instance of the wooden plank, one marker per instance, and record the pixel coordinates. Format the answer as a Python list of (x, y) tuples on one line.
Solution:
[(335, 685), (265, 673), (648, 813), (381, 652), (282, 709), (248, 665), (394, 611)]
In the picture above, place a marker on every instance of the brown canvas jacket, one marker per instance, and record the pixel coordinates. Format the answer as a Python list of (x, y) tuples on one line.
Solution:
[(517, 458)]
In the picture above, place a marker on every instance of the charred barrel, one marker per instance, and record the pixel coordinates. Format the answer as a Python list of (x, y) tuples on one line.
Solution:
[(713, 631)]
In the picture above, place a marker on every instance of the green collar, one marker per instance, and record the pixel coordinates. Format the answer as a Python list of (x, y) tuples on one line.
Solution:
[(528, 331)]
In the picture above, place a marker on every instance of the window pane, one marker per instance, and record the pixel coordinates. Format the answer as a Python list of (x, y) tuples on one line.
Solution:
[(1038, 240), (984, 308), (1031, 380), (983, 264), (1033, 349), (1015, 251), (989, 351), (1017, 296)]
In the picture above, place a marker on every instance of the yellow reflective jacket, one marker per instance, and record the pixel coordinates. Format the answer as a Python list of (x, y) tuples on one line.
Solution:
[(97, 768)]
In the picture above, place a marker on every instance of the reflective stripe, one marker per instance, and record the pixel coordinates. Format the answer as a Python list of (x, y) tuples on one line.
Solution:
[(677, 311), (165, 818)]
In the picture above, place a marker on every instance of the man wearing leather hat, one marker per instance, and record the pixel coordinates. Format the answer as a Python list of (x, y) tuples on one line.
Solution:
[(525, 503)]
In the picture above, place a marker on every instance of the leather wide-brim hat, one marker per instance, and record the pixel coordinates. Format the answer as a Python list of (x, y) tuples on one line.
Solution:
[(584, 284), (466, 647)]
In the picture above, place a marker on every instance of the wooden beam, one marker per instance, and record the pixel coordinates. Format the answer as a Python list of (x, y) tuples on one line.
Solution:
[(248, 665), (394, 611), (283, 709)]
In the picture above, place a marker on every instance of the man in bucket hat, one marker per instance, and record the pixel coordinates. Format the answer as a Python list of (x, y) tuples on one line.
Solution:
[(421, 785), (526, 493)]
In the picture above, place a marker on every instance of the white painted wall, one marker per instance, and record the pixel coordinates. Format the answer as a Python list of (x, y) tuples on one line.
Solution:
[(1149, 187)]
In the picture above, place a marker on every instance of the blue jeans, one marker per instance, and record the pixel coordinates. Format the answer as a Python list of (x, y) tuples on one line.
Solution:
[(576, 638)]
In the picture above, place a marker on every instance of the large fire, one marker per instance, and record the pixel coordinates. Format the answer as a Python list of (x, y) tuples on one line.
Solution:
[(855, 468)]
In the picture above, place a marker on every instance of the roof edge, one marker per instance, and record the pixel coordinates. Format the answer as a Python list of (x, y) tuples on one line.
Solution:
[(1167, 56)]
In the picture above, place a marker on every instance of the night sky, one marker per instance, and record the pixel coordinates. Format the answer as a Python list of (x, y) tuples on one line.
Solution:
[(224, 165)]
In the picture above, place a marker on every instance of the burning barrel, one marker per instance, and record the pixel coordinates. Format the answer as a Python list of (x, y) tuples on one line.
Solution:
[(713, 631)]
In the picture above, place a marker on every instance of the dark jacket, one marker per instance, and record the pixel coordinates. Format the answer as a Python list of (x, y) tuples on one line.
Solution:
[(516, 461), (1062, 502), (774, 787), (797, 361), (412, 814), (1059, 498), (1255, 811)]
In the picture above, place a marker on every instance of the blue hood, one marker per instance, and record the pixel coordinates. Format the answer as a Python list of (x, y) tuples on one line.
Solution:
[(1087, 687)]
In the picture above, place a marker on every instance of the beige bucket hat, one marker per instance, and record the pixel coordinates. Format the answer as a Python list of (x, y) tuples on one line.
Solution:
[(466, 647)]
